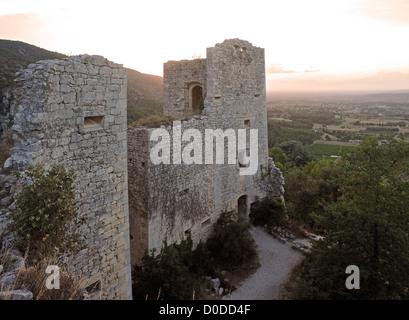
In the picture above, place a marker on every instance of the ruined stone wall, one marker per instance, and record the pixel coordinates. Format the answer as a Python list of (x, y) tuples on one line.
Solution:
[(191, 197), (138, 186), (73, 112), (179, 78)]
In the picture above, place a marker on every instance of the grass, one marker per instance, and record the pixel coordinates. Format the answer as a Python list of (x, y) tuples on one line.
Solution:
[(320, 149)]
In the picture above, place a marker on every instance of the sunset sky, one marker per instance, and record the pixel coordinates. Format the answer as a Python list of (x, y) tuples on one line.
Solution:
[(310, 45)]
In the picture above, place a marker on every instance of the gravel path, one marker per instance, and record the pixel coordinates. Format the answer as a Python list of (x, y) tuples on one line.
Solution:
[(276, 261)]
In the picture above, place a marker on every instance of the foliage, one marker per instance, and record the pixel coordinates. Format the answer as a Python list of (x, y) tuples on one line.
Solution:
[(296, 152), (144, 95), (136, 113), (175, 272), (367, 225), (231, 243), (280, 159), (279, 132), (319, 149), (166, 275), (267, 211), (45, 218), (34, 279), (307, 189)]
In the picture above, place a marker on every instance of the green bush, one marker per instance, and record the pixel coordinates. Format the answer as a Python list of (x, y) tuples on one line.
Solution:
[(166, 275), (45, 220), (175, 273), (231, 244), (267, 211)]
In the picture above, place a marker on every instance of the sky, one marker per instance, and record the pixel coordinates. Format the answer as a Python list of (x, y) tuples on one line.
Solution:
[(309, 45)]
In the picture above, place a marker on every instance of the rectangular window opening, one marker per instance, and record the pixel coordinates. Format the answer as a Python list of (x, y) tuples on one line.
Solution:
[(93, 122), (247, 123)]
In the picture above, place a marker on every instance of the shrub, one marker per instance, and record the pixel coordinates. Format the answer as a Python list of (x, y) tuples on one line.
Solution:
[(166, 275), (231, 243), (270, 212), (34, 280), (45, 219), (175, 273)]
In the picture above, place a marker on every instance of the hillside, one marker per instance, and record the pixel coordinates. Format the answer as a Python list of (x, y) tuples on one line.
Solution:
[(15, 55), (144, 91), (145, 95)]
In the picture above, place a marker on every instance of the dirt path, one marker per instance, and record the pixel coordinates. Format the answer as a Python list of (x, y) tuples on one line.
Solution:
[(276, 261)]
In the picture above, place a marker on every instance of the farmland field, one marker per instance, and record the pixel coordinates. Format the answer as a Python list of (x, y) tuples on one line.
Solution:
[(324, 149), (319, 121)]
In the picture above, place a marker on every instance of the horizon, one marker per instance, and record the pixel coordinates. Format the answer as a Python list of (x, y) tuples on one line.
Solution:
[(348, 45)]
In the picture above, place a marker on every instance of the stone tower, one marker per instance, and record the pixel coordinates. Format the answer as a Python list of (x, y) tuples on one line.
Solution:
[(225, 91), (73, 112)]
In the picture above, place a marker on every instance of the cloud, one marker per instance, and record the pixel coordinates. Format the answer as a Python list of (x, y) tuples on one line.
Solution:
[(24, 27), (317, 82), (277, 68), (391, 11)]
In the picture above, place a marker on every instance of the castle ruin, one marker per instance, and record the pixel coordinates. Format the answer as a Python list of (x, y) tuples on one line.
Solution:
[(73, 112), (225, 91)]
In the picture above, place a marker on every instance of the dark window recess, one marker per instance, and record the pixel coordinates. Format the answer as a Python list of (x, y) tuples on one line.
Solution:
[(257, 95), (247, 123), (197, 99), (93, 122)]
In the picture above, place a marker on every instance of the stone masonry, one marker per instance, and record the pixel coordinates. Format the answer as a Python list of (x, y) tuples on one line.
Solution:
[(224, 91), (73, 112)]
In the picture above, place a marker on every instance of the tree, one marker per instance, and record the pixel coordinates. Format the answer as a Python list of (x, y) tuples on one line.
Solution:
[(368, 225), (166, 275), (296, 153), (280, 159), (308, 188), (267, 211)]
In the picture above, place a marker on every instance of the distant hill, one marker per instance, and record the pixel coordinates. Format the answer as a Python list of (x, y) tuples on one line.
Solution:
[(145, 96), (15, 55)]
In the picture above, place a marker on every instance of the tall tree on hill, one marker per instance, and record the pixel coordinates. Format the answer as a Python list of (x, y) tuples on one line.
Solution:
[(368, 226)]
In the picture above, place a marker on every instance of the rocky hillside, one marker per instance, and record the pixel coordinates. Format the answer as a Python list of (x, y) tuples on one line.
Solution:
[(145, 95)]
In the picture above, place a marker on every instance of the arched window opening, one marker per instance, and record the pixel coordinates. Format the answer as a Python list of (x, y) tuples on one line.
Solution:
[(242, 207), (196, 99)]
